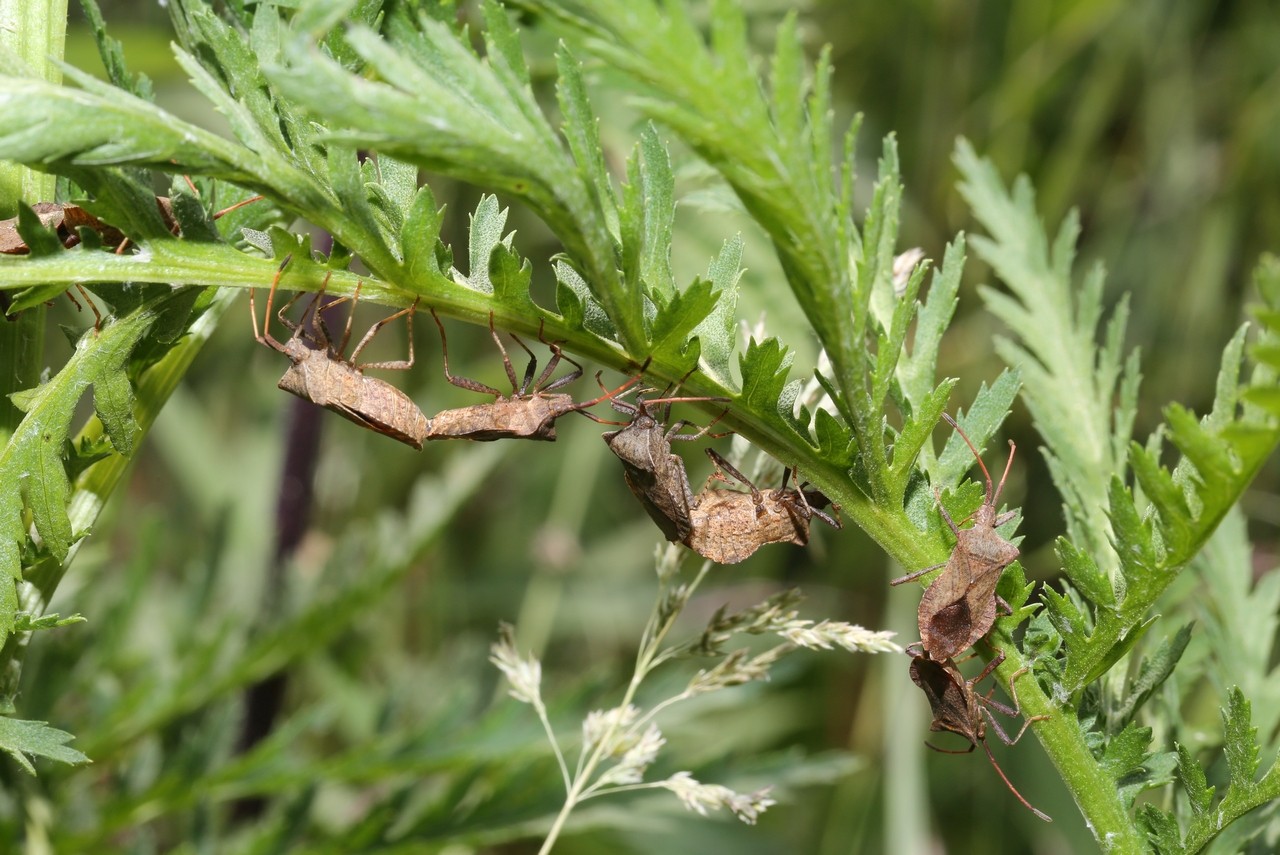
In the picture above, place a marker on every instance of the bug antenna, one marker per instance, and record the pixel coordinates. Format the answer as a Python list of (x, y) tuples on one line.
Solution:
[(991, 491), (1007, 466), (1008, 784)]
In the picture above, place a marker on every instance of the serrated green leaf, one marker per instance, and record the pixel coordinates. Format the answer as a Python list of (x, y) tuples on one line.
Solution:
[(174, 316), (1165, 496), (984, 417), (113, 402), (657, 188), (109, 50), (678, 318), (889, 344), (1155, 669), (509, 276), (582, 133), (916, 432), (1240, 739), (1084, 573), (594, 318), (27, 623), (88, 452), (1066, 618), (1227, 389), (1126, 752), (40, 239), (705, 91), (717, 331), (45, 488), (400, 180), (835, 440), (1126, 760), (1041, 641), (1131, 535), (32, 471), (420, 237), (20, 738), (1016, 591), (487, 224), (916, 372), (349, 183), (569, 305), (1192, 776), (1243, 793), (101, 127), (1161, 829), (503, 46), (1113, 655), (764, 369)]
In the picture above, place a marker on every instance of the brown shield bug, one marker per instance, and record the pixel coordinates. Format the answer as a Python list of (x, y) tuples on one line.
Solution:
[(959, 607), (727, 526), (959, 709), (656, 475), (527, 413), (322, 375)]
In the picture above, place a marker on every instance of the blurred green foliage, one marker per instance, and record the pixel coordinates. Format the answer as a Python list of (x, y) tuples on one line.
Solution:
[(1155, 120)]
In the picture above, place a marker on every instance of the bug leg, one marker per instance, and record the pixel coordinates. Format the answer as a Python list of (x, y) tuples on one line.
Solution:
[(673, 433), (516, 391), (937, 495), (394, 365), (1000, 731), (556, 355), (917, 574), (1008, 784), (724, 465), (460, 382), (316, 309), (351, 316), (265, 337), (1005, 517)]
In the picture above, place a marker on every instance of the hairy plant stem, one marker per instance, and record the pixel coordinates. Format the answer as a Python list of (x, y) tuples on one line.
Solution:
[(1063, 739)]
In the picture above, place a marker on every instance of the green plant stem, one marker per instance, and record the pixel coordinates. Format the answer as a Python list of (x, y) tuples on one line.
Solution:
[(1063, 739)]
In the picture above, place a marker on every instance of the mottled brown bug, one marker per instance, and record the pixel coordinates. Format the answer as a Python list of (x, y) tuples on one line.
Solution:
[(728, 526), (959, 709), (322, 375), (529, 412), (959, 607), (655, 474)]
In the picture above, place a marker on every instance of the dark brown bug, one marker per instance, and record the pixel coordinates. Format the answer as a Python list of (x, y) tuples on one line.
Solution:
[(959, 709), (527, 413), (322, 375), (728, 526), (656, 475), (959, 607)]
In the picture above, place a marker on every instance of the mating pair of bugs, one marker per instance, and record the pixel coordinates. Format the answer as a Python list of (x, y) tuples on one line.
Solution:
[(321, 374), (725, 526), (957, 610)]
